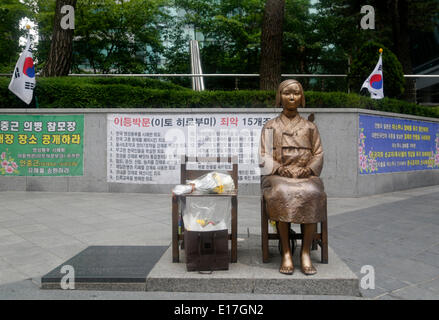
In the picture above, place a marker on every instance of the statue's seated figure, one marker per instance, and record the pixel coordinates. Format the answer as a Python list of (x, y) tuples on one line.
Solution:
[(291, 159)]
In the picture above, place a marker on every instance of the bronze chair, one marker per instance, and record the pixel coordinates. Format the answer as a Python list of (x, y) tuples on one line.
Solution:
[(177, 209), (320, 238)]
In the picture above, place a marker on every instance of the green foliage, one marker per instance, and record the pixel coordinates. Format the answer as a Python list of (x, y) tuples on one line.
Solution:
[(70, 92), (422, 16), (337, 27), (337, 100), (43, 13), (229, 32), (119, 37), (87, 92), (147, 83), (11, 12), (110, 36), (301, 44), (81, 92), (364, 62), (399, 25)]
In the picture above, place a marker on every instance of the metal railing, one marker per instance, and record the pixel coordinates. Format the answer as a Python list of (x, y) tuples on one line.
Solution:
[(157, 75)]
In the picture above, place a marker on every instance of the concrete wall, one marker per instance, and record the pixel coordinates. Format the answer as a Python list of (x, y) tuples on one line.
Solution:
[(338, 129)]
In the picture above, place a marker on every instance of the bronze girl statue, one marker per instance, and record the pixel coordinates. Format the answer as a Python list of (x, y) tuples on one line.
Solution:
[(291, 161)]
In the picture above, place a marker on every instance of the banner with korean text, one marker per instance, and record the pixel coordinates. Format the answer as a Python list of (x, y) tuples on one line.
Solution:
[(41, 145), (388, 144), (147, 148)]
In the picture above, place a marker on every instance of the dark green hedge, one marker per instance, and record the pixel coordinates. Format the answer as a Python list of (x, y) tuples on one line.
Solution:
[(146, 93)]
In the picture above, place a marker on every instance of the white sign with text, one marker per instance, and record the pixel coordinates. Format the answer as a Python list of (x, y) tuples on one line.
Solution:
[(147, 148)]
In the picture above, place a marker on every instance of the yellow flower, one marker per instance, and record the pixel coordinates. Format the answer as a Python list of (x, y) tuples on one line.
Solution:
[(219, 189)]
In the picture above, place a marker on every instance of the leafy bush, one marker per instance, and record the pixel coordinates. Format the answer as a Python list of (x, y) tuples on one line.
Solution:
[(364, 62), (130, 81), (146, 93)]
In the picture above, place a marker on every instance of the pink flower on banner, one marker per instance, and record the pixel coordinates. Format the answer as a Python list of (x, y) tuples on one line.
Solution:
[(373, 166), (9, 169), (5, 164), (3, 155), (14, 165), (360, 149), (363, 165)]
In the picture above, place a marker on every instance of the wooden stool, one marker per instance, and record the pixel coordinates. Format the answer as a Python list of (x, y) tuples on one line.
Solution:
[(177, 210)]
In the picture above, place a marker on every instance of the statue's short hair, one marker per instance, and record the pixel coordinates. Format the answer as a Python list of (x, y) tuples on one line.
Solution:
[(285, 84)]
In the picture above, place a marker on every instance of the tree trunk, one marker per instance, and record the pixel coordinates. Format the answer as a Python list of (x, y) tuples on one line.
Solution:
[(61, 48), (271, 44)]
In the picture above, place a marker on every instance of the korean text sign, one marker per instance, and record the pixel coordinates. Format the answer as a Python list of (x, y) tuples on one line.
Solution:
[(146, 148), (388, 144), (41, 145)]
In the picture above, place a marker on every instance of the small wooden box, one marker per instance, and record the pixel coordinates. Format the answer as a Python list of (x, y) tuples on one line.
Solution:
[(206, 250)]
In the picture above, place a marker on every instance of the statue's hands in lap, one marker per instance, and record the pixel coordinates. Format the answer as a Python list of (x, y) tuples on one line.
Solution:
[(295, 172)]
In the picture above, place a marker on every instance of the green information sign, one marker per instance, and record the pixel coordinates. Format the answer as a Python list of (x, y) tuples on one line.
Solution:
[(40, 145)]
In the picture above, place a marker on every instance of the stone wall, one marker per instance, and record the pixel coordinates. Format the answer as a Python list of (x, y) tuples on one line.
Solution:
[(338, 129)]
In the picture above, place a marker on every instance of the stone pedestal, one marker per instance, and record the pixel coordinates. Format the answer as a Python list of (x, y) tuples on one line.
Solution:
[(250, 275), (140, 268)]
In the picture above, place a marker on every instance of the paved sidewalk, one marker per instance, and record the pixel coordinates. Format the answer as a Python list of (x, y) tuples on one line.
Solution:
[(396, 233)]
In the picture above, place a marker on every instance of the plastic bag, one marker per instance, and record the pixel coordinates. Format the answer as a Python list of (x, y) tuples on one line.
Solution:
[(206, 214), (182, 189), (212, 182)]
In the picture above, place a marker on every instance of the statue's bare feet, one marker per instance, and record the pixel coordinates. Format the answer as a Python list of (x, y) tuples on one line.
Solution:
[(306, 264), (287, 266)]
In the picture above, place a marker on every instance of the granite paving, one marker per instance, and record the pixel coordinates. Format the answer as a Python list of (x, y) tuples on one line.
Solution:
[(395, 233)]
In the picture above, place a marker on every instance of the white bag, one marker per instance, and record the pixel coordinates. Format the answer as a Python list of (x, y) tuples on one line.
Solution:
[(212, 182)]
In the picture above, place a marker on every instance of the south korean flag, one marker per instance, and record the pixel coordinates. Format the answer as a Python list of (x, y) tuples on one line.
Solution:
[(374, 83), (23, 79)]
